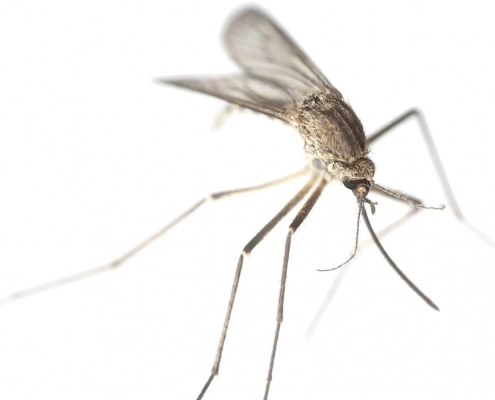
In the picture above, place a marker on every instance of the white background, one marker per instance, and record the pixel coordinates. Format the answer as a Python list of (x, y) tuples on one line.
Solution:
[(94, 157)]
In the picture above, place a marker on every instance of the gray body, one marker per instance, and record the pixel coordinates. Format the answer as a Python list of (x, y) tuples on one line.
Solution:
[(334, 135)]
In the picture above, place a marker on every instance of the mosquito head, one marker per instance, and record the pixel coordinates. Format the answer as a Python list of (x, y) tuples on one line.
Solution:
[(360, 187), (356, 175)]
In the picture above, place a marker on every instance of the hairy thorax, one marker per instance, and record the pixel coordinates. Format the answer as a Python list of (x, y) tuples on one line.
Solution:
[(334, 135)]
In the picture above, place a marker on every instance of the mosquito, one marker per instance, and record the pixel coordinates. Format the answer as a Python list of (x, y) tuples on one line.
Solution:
[(277, 79)]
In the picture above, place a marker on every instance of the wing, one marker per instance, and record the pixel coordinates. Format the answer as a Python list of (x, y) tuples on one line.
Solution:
[(265, 97), (277, 74), (264, 50)]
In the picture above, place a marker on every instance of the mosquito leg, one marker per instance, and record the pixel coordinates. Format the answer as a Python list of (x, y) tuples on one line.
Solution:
[(126, 256), (341, 272), (225, 113), (298, 220), (393, 226), (338, 279), (415, 113), (403, 197), (443, 177), (393, 265), (327, 300), (414, 201), (248, 248)]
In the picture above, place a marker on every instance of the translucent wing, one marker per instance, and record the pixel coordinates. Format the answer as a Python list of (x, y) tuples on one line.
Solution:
[(276, 72), (246, 91), (265, 51)]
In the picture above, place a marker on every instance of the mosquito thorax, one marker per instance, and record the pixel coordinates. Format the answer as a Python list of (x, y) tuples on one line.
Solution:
[(333, 133)]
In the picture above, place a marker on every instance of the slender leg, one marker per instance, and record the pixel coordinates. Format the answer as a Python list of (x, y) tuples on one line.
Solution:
[(248, 248), (126, 256), (415, 202), (393, 265), (224, 114), (410, 199), (415, 113), (417, 205), (340, 274), (356, 242), (391, 193), (298, 220)]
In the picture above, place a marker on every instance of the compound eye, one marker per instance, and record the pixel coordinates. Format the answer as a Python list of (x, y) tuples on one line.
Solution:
[(354, 183), (349, 183)]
